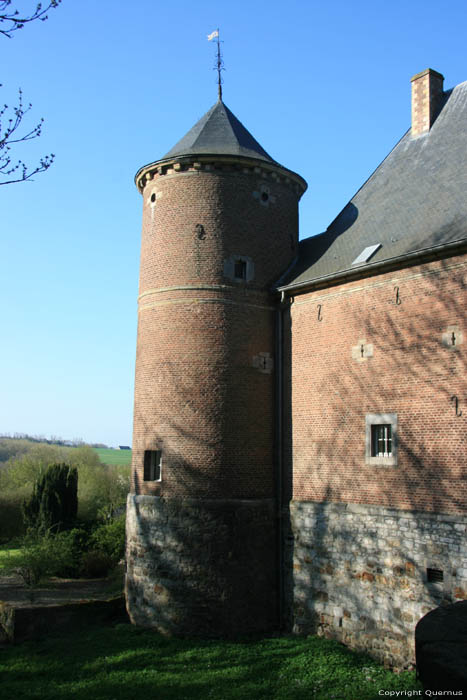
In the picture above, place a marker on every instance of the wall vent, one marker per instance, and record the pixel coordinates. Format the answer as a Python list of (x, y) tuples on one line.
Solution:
[(434, 575)]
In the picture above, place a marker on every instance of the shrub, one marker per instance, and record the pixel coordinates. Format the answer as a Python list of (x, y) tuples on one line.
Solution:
[(41, 556), (54, 501), (110, 539), (11, 516), (102, 490), (71, 547), (96, 564)]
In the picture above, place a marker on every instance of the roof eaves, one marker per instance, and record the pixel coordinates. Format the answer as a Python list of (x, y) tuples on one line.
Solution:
[(422, 255)]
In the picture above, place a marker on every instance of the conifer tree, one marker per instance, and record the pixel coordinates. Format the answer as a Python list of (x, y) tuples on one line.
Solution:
[(54, 502)]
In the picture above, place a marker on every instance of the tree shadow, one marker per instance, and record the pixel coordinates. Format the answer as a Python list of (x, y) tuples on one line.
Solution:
[(201, 543), (365, 536)]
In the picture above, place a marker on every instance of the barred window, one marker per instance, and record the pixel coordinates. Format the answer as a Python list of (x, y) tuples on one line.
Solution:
[(381, 440)]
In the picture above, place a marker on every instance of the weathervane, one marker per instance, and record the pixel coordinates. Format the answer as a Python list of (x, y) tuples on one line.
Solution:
[(219, 65)]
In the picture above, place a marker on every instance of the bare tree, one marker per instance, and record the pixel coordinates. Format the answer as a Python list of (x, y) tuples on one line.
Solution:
[(11, 118)]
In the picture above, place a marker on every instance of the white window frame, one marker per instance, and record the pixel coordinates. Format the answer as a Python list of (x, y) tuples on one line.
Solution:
[(154, 466), (374, 419)]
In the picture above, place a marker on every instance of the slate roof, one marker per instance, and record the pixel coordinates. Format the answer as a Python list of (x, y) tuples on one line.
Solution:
[(219, 132), (415, 200)]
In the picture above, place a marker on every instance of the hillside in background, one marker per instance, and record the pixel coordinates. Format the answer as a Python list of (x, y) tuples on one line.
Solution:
[(20, 443)]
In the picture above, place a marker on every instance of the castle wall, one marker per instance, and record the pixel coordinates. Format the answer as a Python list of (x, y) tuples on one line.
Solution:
[(369, 355), (201, 567), (360, 576), (367, 529)]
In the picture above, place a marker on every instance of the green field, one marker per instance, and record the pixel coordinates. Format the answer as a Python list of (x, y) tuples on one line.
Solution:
[(124, 662), (109, 456)]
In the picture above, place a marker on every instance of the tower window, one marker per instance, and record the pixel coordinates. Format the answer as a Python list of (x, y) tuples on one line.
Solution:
[(153, 197), (240, 269), (152, 465)]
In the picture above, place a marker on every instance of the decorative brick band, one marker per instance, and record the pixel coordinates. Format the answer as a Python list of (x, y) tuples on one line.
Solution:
[(225, 164), (213, 300), (189, 287)]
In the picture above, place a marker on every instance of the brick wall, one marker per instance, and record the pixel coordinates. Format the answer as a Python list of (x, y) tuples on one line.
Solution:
[(408, 367), (202, 395)]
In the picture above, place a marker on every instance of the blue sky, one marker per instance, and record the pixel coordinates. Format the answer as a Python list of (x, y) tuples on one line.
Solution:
[(324, 88)]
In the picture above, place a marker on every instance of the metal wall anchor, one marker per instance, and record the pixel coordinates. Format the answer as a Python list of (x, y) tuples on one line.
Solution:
[(456, 403)]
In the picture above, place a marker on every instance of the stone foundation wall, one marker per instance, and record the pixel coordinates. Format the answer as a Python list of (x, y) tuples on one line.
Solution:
[(201, 567), (360, 573)]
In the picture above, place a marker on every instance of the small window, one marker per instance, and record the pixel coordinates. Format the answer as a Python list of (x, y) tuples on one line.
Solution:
[(152, 465), (381, 440), (240, 269)]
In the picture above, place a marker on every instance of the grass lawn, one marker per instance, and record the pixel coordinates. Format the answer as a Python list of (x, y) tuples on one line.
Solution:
[(7, 555), (109, 456), (116, 663)]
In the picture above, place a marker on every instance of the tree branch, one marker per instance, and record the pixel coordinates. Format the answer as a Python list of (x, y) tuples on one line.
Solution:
[(9, 135), (11, 21)]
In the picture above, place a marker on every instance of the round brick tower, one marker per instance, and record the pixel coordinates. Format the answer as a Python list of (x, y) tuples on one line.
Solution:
[(220, 226)]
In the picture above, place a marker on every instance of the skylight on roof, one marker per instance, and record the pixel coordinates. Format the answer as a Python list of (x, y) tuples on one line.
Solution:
[(366, 254)]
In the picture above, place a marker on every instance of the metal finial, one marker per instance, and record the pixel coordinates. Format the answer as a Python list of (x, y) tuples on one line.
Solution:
[(219, 64)]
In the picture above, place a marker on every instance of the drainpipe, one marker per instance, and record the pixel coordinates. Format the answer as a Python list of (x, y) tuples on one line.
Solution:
[(279, 459)]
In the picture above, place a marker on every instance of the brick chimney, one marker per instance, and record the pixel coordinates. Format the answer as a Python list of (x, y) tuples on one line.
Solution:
[(427, 89)]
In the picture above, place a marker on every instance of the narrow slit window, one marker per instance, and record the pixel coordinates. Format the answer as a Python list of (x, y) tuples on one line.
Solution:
[(381, 440), (152, 465), (240, 269)]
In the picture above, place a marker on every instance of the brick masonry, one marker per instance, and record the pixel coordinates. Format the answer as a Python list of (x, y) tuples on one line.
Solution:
[(364, 534), (427, 93), (411, 372), (202, 541), (359, 573), (200, 395)]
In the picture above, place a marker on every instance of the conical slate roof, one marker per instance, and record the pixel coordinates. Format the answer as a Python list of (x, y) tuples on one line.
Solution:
[(219, 132)]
